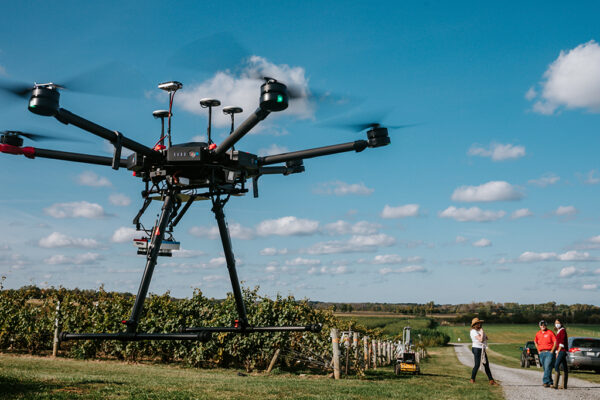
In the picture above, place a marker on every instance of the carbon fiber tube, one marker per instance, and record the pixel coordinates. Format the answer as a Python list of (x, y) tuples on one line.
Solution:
[(77, 157), (241, 130), (130, 337), (358, 145), (251, 329)]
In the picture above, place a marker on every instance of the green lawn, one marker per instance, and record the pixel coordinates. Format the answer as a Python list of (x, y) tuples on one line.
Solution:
[(514, 333), (390, 325), (25, 377)]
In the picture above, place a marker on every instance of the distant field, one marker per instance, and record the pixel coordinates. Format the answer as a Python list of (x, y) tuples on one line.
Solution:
[(514, 333), (25, 377), (389, 325)]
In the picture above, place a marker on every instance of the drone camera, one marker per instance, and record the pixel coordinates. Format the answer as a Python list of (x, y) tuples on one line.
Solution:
[(44, 100), (273, 96), (378, 137), (171, 86)]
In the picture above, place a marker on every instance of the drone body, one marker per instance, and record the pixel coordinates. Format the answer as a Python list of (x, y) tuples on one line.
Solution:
[(178, 175)]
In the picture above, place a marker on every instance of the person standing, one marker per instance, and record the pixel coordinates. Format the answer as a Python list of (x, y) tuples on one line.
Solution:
[(545, 340), (479, 339), (560, 348)]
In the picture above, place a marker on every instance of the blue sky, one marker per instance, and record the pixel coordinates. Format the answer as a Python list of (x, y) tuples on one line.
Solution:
[(492, 196)]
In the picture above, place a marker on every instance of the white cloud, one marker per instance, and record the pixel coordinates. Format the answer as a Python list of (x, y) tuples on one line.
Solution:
[(356, 244), (272, 149), (340, 188), (200, 138), (287, 226), (56, 239), (394, 259), (270, 268), (243, 90), (80, 259), (124, 234), (572, 81), (77, 209), (89, 178), (473, 214), (487, 192), (569, 271), (572, 255), (183, 253), (531, 93), (403, 270), (343, 227), (236, 231), (272, 251), (545, 180), (118, 199), (407, 210), (590, 286), (342, 269), (565, 211), (303, 261), (521, 213), (483, 242), (471, 262), (498, 151), (461, 239)]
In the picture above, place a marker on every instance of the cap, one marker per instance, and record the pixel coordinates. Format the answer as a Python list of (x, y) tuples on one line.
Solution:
[(542, 322)]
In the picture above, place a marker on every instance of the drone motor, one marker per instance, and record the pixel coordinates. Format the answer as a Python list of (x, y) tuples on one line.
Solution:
[(44, 100), (273, 96)]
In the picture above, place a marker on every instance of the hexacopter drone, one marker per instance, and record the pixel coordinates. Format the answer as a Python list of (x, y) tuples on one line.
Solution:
[(178, 175)]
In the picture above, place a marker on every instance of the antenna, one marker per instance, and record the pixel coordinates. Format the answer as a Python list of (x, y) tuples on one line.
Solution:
[(209, 103), (232, 110), (171, 87)]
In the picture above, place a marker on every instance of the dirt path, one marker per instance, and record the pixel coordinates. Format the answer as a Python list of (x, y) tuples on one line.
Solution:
[(520, 384)]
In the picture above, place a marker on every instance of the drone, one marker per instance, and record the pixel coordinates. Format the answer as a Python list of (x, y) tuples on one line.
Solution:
[(179, 175)]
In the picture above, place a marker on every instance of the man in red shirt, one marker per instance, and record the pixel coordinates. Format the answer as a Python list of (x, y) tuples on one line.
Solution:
[(545, 342)]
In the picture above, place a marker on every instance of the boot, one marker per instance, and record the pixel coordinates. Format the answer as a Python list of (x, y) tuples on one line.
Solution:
[(565, 379), (556, 379)]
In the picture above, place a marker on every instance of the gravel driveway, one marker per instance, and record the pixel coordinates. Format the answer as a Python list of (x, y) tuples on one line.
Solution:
[(527, 384)]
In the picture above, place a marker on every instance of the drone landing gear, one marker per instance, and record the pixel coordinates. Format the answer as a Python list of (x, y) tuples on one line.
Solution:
[(202, 334)]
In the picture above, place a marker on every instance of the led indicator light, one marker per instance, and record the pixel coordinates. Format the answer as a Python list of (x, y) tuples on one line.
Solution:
[(279, 98)]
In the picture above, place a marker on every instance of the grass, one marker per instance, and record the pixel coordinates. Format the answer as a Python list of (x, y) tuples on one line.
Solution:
[(27, 377), (514, 333)]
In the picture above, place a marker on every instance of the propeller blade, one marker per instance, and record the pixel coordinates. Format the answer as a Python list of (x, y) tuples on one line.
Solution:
[(41, 137), (17, 89)]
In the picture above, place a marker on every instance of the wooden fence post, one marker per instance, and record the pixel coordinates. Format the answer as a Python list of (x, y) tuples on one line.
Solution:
[(366, 351), (55, 342), (374, 352), (335, 343), (273, 361)]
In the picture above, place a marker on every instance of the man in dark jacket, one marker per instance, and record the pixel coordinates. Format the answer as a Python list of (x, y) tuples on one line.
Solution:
[(561, 346)]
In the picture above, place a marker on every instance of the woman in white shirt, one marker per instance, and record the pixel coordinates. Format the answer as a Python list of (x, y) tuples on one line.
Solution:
[(479, 339)]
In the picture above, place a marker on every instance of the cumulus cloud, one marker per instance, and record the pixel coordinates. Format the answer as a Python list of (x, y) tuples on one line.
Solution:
[(123, 234), (272, 251), (545, 180), (287, 226), (473, 214), (590, 286), (471, 262), (407, 210), (403, 270), (521, 213), (487, 192), (498, 151), (461, 239), (183, 253), (118, 199), (393, 259), (340, 188), (483, 242), (272, 149), (342, 269), (241, 89), (57, 239), (565, 211), (77, 209), (592, 178), (356, 244), (302, 261), (80, 259), (570, 271), (236, 231), (89, 178), (343, 227), (571, 255), (571, 81)]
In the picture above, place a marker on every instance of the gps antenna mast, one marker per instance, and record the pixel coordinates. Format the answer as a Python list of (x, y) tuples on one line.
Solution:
[(209, 103), (232, 111)]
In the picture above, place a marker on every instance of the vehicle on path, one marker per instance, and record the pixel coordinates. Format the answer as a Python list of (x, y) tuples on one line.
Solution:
[(584, 353), (529, 355)]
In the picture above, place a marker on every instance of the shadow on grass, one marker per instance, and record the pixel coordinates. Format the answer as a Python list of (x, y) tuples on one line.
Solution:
[(13, 388)]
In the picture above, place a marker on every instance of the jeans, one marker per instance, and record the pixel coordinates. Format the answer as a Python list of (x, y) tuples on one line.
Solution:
[(561, 358), (546, 359), (477, 354)]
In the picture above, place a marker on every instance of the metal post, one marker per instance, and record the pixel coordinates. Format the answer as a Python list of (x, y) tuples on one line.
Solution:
[(56, 342), (230, 258), (158, 233), (335, 344)]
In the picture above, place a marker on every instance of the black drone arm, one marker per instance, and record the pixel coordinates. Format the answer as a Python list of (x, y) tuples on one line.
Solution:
[(358, 146), (33, 152), (67, 117), (241, 130)]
